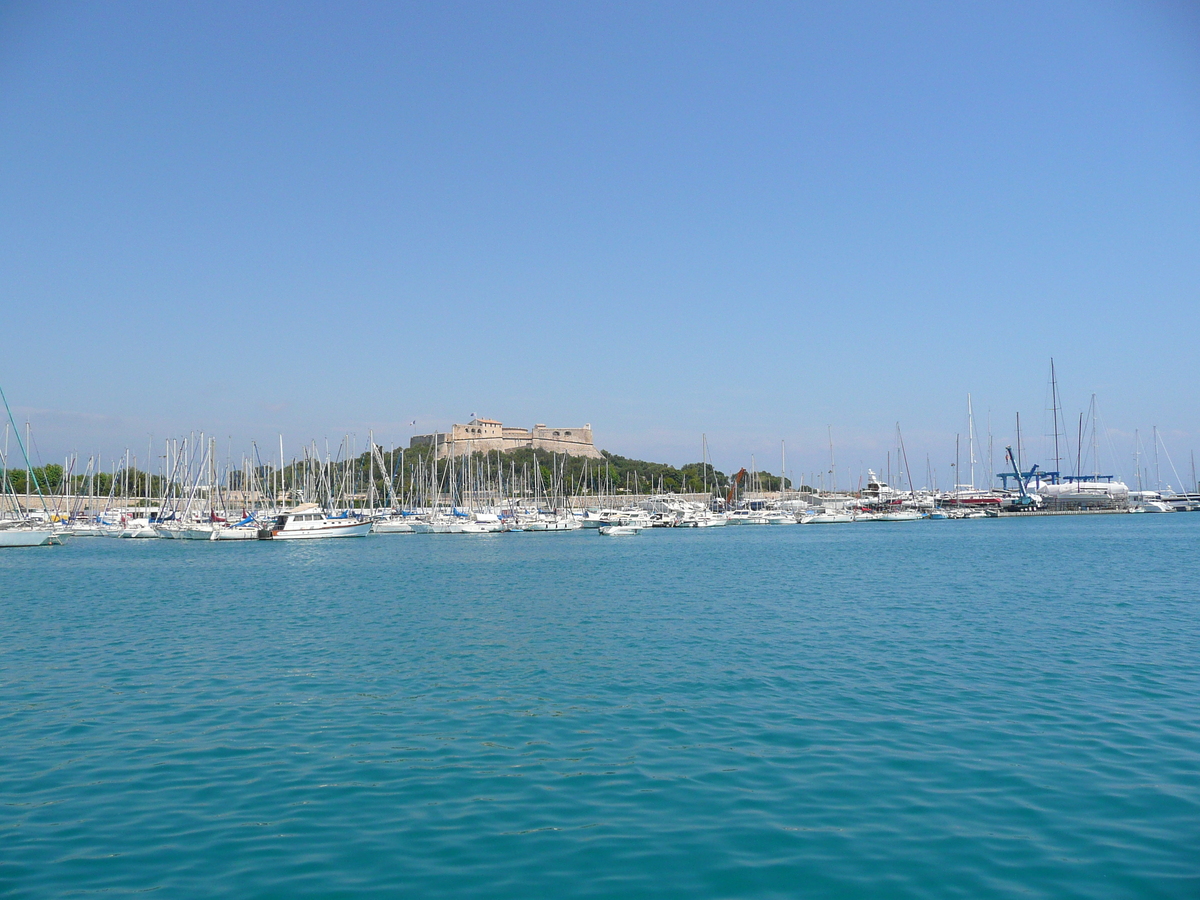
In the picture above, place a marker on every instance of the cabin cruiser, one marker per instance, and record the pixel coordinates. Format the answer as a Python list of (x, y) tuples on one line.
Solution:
[(827, 517), (631, 515), (1149, 502), (879, 491), (749, 517), (1182, 502), (591, 517), (482, 523), (310, 521), (703, 518), (619, 530), (620, 527)]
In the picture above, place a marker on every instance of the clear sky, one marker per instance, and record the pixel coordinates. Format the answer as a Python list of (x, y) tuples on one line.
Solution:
[(749, 220)]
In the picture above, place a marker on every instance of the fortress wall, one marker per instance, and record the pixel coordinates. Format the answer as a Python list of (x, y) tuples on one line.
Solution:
[(488, 436), (568, 446)]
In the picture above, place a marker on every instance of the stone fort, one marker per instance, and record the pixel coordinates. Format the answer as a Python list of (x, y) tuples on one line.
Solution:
[(486, 435)]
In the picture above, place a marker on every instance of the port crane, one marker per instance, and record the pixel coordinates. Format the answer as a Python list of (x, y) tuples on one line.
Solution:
[(732, 493), (1026, 500)]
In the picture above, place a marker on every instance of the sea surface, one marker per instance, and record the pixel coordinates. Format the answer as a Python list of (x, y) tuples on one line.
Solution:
[(978, 709)]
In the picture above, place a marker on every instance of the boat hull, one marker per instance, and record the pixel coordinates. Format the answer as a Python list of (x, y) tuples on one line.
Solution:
[(26, 537), (235, 533), (356, 529), (392, 528), (619, 530)]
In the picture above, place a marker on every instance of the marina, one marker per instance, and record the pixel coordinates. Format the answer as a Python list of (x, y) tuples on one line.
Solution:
[(422, 491), (486, 478)]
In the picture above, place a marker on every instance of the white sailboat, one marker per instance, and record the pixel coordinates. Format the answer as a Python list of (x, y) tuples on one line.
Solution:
[(23, 531)]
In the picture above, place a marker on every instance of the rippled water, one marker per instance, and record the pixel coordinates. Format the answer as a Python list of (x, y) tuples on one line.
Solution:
[(940, 709)]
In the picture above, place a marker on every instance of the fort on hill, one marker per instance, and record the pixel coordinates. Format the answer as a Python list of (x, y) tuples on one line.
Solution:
[(486, 435)]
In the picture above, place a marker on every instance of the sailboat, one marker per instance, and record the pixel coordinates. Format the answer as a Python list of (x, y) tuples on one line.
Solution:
[(22, 531)]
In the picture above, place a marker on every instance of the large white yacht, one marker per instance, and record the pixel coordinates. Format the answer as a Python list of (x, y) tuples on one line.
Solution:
[(310, 521)]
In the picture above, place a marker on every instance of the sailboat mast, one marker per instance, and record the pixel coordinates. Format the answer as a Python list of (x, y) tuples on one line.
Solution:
[(971, 438), (1137, 459), (1079, 449), (1157, 474), (957, 467), (904, 454), (832, 466), (1054, 407)]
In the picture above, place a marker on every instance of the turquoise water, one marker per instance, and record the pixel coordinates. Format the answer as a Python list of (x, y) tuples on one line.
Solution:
[(975, 709)]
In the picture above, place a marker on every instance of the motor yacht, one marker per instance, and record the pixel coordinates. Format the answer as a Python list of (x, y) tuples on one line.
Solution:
[(309, 521)]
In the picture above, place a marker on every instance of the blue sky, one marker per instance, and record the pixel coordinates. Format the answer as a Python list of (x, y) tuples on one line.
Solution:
[(753, 221)]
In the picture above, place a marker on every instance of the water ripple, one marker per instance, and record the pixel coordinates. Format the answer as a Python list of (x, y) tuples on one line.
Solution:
[(909, 712)]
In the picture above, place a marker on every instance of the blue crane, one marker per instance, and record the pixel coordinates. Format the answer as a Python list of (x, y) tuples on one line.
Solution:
[(1026, 500)]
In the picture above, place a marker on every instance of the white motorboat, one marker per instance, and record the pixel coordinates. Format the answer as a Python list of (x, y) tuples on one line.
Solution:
[(309, 521), (1152, 506), (748, 517), (619, 530), (594, 518), (621, 527), (483, 523), (827, 518), (703, 519)]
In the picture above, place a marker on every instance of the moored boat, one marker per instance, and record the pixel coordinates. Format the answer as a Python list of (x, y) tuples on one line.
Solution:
[(309, 521), (827, 518), (23, 536)]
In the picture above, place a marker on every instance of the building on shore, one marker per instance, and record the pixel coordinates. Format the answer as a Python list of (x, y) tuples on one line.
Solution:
[(488, 435)]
